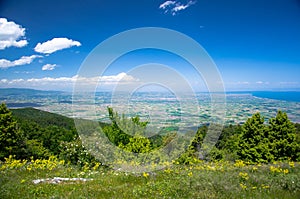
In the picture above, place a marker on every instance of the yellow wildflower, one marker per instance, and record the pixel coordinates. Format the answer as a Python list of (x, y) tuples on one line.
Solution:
[(146, 175), (275, 169), (254, 168), (243, 186), (96, 166), (168, 170), (265, 186), (244, 176), (239, 163)]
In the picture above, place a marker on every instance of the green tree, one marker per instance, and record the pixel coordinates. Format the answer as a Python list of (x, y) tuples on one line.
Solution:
[(129, 133), (113, 132), (253, 143), (137, 144), (282, 137), (10, 135), (194, 151)]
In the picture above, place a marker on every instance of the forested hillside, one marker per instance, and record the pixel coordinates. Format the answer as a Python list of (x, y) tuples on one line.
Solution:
[(39, 134), (42, 118)]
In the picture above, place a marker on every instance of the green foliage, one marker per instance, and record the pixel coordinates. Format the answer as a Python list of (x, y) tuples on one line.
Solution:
[(39, 134), (129, 133), (42, 118), (297, 126), (43, 135), (137, 144), (113, 132), (52, 136), (10, 134), (43, 132), (266, 143), (227, 146), (253, 142), (199, 137), (35, 149), (282, 138), (75, 153), (193, 152), (229, 138)]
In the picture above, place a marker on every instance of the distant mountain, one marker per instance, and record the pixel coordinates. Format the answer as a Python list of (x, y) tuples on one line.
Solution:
[(25, 91), (22, 97)]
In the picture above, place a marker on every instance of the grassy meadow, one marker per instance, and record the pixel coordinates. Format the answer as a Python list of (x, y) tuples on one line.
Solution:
[(202, 180)]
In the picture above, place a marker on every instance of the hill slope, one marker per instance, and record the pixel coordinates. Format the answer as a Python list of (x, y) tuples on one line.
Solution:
[(43, 118)]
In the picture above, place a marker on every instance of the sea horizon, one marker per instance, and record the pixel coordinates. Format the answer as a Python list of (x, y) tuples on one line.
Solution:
[(279, 94)]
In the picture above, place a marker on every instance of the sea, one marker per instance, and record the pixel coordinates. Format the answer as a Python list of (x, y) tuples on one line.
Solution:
[(291, 96)]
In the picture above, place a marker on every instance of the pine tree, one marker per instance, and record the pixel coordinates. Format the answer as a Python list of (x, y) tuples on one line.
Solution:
[(10, 136), (253, 144), (282, 137)]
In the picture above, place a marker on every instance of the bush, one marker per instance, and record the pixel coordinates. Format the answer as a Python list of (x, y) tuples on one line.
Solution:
[(75, 153)]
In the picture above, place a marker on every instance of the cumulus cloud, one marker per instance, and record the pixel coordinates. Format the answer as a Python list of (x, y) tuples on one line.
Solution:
[(10, 33), (68, 82), (172, 7), (55, 44), (49, 67), (121, 78), (4, 63)]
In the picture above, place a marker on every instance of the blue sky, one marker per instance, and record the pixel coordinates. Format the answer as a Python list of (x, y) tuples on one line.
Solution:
[(254, 43)]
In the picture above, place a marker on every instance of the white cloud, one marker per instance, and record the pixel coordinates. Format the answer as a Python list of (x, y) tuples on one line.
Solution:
[(289, 83), (49, 67), (68, 82), (262, 83), (4, 63), (10, 33), (23, 72), (179, 7), (173, 7), (120, 77), (4, 81), (166, 4), (55, 44), (244, 83)]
